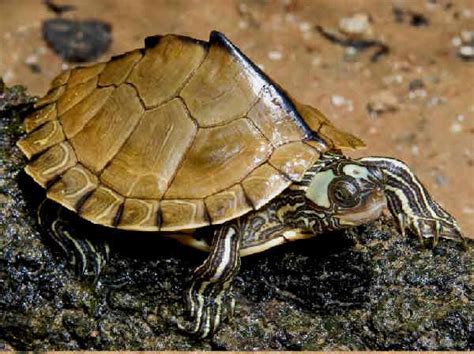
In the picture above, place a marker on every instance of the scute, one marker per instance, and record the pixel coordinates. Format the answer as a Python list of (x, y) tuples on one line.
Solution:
[(145, 165), (222, 89), (178, 135), (165, 68), (219, 158), (103, 136)]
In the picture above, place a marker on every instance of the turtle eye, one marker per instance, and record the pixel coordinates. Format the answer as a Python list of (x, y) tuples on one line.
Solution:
[(344, 193)]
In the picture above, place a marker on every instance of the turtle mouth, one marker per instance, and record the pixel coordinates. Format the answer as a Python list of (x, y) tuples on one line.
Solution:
[(368, 210)]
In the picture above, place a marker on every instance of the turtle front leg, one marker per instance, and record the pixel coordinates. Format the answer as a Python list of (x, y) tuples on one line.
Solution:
[(210, 290), (411, 204)]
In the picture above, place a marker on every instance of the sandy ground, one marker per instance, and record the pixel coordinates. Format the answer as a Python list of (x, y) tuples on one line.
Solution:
[(430, 127)]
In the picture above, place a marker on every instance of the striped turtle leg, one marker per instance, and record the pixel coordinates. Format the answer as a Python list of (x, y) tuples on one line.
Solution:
[(80, 251), (410, 203), (209, 297)]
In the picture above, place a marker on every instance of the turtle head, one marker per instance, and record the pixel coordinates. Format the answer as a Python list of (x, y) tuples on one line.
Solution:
[(344, 193)]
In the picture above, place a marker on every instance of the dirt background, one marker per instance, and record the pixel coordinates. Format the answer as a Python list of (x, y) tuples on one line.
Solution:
[(423, 87)]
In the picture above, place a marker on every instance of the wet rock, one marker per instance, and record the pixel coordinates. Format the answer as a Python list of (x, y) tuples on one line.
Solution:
[(382, 102), (14, 97), (77, 41), (368, 288)]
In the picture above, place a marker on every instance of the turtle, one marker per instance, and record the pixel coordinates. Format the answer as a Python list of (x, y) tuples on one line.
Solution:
[(191, 140)]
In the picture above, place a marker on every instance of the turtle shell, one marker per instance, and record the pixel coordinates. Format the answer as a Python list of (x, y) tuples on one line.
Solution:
[(178, 135)]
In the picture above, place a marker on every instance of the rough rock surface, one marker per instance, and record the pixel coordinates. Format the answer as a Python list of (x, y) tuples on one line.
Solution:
[(365, 289)]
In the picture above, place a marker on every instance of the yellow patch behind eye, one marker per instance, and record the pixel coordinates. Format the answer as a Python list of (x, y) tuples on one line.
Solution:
[(356, 171), (317, 190)]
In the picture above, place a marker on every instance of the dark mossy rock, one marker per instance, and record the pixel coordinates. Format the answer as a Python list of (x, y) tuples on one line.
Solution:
[(365, 289)]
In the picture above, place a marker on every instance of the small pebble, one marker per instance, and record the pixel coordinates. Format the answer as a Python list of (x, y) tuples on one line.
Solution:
[(350, 53), (467, 13), (466, 52), (441, 180), (357, 25), (465, 44), (337, 100), (381, 102), (275, 55), (436, 101), (305, 26), (340, 101), (393, 79), (468, 210), (467, 36), (456, 41), (416, 85), (31, 59), (243, 24), (316, 61), (455, 128)]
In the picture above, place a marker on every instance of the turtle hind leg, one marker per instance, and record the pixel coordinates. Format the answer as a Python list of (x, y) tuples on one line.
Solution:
[(86, 255), (209, 297)]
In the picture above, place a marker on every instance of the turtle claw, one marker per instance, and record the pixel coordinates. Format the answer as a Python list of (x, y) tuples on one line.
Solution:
[(208, 304), (205, 311), (425, 228)]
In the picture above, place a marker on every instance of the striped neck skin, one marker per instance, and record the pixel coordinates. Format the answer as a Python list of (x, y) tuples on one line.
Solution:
[(338, 192), (410, 203)]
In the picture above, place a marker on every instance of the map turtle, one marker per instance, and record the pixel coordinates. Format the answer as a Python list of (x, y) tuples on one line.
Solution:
[(185, 138)]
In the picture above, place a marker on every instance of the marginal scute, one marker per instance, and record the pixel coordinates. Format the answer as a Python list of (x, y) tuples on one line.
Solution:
[(227, 205), (294, 159), (73, 186), (140, 215), (264, 184), (183, 214), (107, 131), (321, 125), (39, 117), (146, 164), (83, 74), (102, 206), (61, 79), (117, 70), (222, 89), (164, 69), (219, 158), (51, 96), (51, 163), (42, 138), (74, 95), (274, 119), (340, 139), (77, 117)]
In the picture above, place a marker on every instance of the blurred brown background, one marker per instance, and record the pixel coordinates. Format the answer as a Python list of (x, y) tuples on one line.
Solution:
[(420, 94)]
